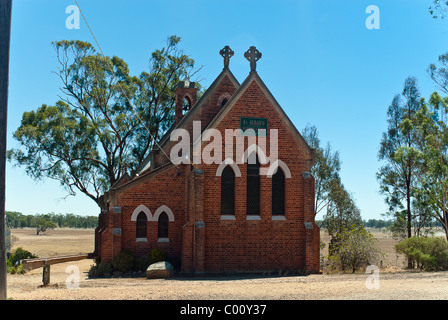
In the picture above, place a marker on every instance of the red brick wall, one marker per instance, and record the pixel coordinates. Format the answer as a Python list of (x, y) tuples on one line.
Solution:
[(161, 187), (205, 114), (194, 196), (246, 245)]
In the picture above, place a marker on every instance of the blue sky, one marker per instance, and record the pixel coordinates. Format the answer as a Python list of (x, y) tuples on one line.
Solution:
[(319, 60)]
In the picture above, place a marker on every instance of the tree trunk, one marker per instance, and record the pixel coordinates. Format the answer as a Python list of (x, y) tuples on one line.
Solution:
[(408, 204), (408, 207), (444, 222)]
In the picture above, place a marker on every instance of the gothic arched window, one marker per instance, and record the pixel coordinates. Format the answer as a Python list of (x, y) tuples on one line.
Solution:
[(163, 225), (278, 192), (253, 186), (228, 191), (141, 225)]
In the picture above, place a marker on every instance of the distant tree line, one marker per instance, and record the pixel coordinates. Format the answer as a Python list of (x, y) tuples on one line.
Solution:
[(67, 220), (379, 223)]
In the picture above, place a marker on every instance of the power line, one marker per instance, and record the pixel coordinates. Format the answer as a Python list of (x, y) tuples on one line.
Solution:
[(124, 93)]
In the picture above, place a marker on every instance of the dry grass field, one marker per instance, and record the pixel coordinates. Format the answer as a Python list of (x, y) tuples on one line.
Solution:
[(395, 283), (56, 242)]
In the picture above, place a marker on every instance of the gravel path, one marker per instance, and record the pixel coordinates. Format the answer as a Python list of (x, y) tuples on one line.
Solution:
[(392, 286)]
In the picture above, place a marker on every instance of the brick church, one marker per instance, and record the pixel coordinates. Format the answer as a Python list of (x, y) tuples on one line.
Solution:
[(237, 197)]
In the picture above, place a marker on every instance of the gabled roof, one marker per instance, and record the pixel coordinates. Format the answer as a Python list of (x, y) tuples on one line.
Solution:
[(253, 76), (145, 165), (200, 103)]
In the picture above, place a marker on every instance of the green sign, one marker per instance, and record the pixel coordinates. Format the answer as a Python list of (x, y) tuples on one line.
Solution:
[(255, 124)]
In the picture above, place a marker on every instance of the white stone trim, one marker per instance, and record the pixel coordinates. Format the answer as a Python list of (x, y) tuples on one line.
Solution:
[(259, 151), (163, 240), (274, 167), (228, 217), (141, 208), (162, 209), (232, 164), (253, 217), (279, 217), (221, 99)]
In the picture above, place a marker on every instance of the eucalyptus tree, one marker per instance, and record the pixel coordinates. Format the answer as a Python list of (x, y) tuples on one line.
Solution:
[(432, 123), (325, 171), (438, 8), (105, 122), (399, 152)]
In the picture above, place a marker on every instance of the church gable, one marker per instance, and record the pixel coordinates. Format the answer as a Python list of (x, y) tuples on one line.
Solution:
[(253, 101), (226, 215), (204, 111)]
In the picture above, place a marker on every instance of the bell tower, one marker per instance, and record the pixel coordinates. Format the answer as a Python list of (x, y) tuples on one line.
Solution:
[(186, 95)]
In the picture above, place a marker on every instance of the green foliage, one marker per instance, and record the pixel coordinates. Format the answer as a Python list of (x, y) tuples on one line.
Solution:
[(155, 255), (124, 261), (438, 9), (106, 122), (14, 264), (342, 212), (353, 248), (399, 145), (432, 125), (425, 253), (375, 223), (103, 269), (68, 220), (325, 169), (331, 196), (42, 223), (14, 268), (20, 254), (7, 237), (142, 263), (399, 226)]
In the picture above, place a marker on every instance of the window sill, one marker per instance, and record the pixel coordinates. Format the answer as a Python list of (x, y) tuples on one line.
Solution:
[(253, 217), (228, 217), (279, 217), (163, 240), (141, 240)]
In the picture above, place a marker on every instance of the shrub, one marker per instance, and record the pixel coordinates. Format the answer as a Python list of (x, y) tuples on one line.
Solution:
[(425, 253), (20, 254), (142, 263), (123, 262), (103, 269), (14, 264), (352, 248), (157, 255), (93, 271)]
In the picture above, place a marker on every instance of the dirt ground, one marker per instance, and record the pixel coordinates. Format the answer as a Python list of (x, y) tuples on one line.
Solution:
[(69, 281)]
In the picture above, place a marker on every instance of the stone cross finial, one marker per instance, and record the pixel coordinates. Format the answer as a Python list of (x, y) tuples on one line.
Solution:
[(226, 53), (252, 55)]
